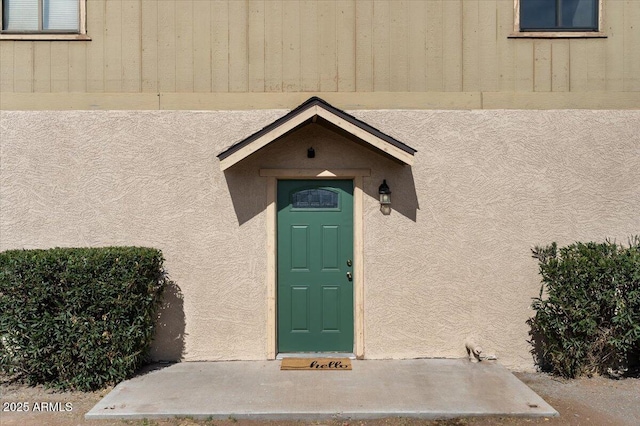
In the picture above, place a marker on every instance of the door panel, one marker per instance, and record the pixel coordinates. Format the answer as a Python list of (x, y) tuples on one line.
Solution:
[(315, 243)]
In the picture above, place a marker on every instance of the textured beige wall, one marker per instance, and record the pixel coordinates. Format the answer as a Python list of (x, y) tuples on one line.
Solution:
[(452, 260)]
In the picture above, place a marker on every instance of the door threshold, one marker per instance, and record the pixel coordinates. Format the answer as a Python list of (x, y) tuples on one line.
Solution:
[(316, 355)]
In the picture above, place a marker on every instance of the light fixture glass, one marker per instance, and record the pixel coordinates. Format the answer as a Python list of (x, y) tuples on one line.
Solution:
[(385, 198)]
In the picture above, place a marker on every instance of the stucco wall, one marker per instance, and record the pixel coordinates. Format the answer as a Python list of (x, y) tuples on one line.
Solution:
[(452, 260)]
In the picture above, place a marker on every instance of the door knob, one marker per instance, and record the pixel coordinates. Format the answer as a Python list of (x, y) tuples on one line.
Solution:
[(349, 276)]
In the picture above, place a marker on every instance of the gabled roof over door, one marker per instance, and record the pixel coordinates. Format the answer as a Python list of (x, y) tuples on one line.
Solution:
[(316, 110)]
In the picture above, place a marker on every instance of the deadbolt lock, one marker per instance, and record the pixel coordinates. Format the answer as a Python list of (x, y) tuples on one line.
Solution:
[(349, 263)]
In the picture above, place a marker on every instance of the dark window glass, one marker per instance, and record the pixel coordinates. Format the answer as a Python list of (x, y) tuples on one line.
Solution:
[(554, 15), (315, 198)]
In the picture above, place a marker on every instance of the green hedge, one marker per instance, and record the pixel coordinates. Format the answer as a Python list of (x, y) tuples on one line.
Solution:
[(78, 318), (588, 312)]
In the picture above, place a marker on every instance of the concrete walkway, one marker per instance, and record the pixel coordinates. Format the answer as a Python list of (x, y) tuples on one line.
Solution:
[(426, 388)]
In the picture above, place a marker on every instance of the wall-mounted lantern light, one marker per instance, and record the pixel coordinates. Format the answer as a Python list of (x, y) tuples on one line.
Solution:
[(311, 153), (385, 198)]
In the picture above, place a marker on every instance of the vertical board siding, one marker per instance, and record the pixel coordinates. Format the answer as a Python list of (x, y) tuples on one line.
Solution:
[(273, 57), (184, 46), (113, 39), (201, 33), (131, 46), (309, 61), (291, 47), (488, 45), (542, 66), (220, 46), (631, 25), (256, 45), (60, 67), (346, 46), (7, 66), (614, 14), (42, 67), (149, 40), (470, 46), (434, 67), (417, 39), (398, 43), (209, 46), (381, 46), (560, 81), (452, 45), (364, 46), (327, 46), (166, 62)]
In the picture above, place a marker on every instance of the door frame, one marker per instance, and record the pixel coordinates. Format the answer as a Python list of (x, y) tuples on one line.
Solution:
[(357, 175)]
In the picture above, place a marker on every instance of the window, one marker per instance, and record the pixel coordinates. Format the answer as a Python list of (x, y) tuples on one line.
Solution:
[(560, 17), (43, 19)]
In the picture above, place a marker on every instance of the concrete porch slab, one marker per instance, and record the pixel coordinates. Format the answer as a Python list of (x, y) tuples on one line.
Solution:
[(425, 388)]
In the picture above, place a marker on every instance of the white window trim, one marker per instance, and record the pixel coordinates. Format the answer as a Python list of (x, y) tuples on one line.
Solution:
[(557, 34), (80, 35)]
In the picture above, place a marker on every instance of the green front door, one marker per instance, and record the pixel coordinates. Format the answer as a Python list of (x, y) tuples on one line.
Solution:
[(315, 258)]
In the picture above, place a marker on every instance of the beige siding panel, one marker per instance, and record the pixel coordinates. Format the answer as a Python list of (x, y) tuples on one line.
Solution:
[(632, 45), (113, 46), (345, 100), (560, 66), (291, 47), (202, 46), (149, 60), (327, 45), (256, 45), (488, 39), (131, 46), (79, 101), (42, 67), (95, 48), (346, 45), (6, 66), (364, 46), (523, 65), (470, 45), (238, 51), (166, 46), (184, 46), (417, 43), (273, 56), (434, 50), (614, 28), (23, 62), (78, 67), (597, 65), (506, 48), (60, 66), (542, 66), (220, 46), (381, 46), (452, 45), (561, 100), (309, 64), (578, 57), (398, 46)]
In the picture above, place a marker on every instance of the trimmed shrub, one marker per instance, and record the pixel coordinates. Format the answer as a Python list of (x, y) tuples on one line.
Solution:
[(78, 318), (588, 312)]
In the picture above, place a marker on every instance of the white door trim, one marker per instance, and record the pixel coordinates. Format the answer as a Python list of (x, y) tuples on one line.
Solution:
[(357, 175)]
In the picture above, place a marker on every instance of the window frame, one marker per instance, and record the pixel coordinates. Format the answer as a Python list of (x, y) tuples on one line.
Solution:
[(518, 33), (48, 35)]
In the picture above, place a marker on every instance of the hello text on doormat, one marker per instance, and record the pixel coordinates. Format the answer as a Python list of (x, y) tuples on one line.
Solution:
[(316, 364)]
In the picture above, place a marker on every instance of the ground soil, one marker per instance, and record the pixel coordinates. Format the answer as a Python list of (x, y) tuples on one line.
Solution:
[(594, 401)]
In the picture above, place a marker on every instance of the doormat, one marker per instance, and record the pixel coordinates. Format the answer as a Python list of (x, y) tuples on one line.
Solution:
[(316, 364)]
